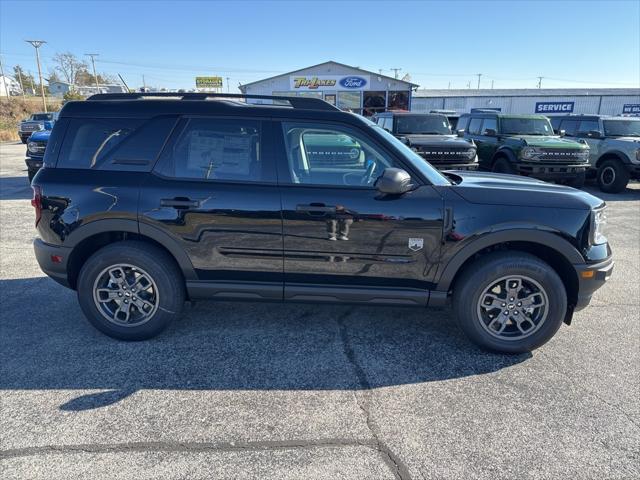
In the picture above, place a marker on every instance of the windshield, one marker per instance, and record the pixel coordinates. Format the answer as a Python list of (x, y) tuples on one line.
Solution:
[(425, 168), (42, 116), (622, 128), (423, 124), (525, 126)]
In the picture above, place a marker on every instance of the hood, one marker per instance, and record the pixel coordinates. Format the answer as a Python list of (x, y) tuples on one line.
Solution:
[(514, 190), (550, 142), (438, 140), (41, 136)]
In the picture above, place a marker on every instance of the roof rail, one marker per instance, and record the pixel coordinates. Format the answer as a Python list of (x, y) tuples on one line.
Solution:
[(306, 103)]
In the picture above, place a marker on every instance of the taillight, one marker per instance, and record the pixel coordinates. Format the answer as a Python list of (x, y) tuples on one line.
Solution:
[(36, 202)]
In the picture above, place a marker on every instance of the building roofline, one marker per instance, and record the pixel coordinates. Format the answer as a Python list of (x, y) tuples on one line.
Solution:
[(324, 63)]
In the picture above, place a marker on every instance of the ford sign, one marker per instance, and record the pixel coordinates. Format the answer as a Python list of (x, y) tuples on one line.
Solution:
[(554, 107), (353, 82)]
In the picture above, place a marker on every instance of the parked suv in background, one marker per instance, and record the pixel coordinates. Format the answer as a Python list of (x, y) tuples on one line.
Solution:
[(35, 123), (430, 136), (614, 144), (145, 201), (525, 145), (36, 147)]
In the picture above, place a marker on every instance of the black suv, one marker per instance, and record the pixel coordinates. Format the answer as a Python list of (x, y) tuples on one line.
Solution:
[(430, 136), (525, 145), (147, 200)]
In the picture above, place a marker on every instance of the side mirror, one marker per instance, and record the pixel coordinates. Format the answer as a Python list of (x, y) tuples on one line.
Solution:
[(562, 133), (404, 140), (460, 133), (593, 134), (490, 132), (394, 181)]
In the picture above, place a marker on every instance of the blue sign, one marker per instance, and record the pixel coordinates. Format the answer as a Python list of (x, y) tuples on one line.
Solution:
[(632, 108), (554, 107), (353, 82)]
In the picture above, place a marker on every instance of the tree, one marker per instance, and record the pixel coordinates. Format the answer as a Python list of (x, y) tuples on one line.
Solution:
[(84, 77), (26, 80), (53, 76), (68, 65)]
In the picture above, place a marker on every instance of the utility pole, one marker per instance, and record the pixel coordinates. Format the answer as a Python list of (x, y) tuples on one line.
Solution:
[(93, 63), (37, 44), (227, 84), (395, 72), (479, 75), (144, 84), (33, 87), (4, 83), (20, 73), (540, 82)]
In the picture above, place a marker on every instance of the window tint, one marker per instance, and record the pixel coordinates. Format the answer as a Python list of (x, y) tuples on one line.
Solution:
[(489, 123), (88, 141), (474, 126), (463, 122), (570, 127), (216, 149), (330, 155), (587, 125)]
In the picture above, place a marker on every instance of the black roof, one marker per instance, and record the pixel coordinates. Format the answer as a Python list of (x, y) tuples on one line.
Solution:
[(147, 105)]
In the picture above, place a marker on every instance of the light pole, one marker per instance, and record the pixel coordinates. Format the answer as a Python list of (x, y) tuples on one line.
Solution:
[(37, 44), (479, 75), (93, 63)]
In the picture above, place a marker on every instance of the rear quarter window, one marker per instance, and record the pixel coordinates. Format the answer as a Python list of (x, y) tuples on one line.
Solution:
[(114, 143)]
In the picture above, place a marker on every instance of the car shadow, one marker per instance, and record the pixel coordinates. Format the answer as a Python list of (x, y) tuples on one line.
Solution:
[(15, 188), (46, 343), (627, 195)]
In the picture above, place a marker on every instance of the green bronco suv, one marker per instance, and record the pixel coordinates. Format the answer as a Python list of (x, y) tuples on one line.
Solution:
[(525, 145), (614, 144)]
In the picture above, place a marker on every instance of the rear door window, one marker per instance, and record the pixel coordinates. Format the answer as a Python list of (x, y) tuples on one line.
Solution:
[(462, 123)]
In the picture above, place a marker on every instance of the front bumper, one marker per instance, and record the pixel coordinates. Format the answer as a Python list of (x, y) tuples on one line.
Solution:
[(550, 170), (591, 276), (53, 260), (456, 166), (33, 163), (634, 170)]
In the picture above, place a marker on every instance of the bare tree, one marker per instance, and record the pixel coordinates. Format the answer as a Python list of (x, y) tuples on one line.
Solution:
[(68, 65)]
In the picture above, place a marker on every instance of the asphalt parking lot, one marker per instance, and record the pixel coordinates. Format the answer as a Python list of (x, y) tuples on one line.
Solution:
[(302, 391)]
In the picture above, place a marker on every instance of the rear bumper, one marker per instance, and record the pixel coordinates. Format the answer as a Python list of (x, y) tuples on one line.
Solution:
[(551, 171), (48, 255), (591, 276)]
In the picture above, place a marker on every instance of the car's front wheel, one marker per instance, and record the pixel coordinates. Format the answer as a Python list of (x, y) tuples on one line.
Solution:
[(503, 165), (510, 302), (613, 177), (131, 290)]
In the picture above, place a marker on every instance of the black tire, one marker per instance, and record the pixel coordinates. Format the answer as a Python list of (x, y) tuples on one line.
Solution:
[(613, 176), (503, 165), (578, 181), (492, 267), (154, 262)]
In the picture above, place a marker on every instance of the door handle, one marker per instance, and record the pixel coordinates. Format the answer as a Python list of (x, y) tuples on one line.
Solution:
[(179, 202), (315, 209)]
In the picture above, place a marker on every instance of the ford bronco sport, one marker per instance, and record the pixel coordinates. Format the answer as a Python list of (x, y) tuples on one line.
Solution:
[(614, 145), (525, 145), (430, 136), (147, 200)]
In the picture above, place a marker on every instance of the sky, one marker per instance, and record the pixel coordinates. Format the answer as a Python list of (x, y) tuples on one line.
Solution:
[(439, 44)]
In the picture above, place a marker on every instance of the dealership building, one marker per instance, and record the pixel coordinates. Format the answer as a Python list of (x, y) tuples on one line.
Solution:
[(347, 87), (604, 101)]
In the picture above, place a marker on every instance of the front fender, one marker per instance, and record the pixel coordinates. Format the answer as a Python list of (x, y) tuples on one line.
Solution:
[(540, 237)]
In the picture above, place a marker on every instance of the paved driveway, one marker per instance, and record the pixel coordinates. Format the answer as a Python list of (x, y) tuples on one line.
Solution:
[(302, 391)]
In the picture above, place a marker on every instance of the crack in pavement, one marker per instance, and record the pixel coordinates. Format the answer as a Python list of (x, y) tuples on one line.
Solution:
[(397, 466), (182, 447)]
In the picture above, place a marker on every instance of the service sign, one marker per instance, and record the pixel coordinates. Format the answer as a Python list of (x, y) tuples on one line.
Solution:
[(631, 108), (554, 107), (320, 83), (208, 82)]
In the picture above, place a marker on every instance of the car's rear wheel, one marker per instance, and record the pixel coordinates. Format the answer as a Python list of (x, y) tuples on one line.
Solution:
[(613, 177), (510, 302), (503, 165), (131, 290)]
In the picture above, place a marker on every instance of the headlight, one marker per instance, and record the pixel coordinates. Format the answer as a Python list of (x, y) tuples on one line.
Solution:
[(471, 154), (598, 224), (528, 153), (583, 155), (32, 146)]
